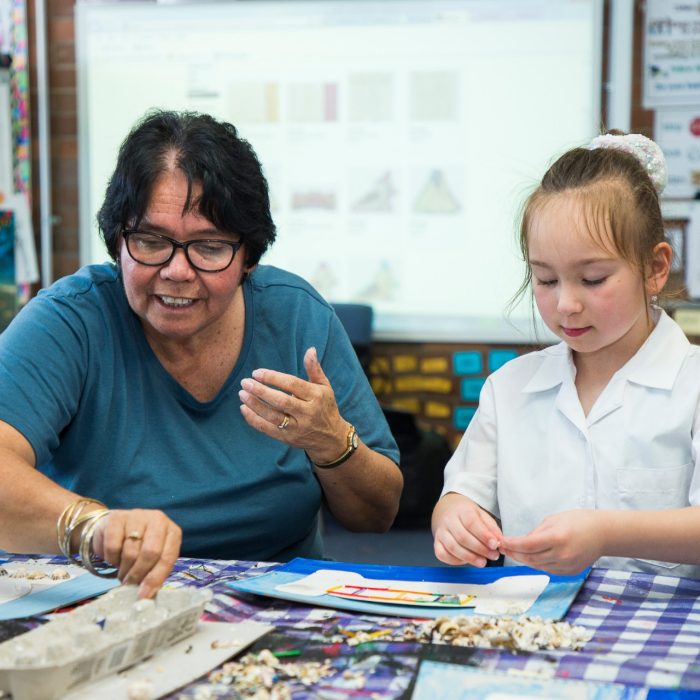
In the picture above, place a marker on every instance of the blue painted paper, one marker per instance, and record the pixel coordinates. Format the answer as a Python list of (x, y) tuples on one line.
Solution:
[(467, 362), (456, 682), (462, 416), (551, 604), (62, 594), (497, 358)]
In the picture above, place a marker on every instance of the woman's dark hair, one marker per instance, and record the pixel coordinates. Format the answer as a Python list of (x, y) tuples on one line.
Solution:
[(234, 194), (619, 204)]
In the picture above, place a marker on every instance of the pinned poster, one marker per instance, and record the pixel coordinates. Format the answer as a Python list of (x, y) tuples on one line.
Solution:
[(25, 259), (677, 131)]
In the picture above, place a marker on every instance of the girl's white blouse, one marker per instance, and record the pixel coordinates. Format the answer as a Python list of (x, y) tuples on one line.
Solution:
[(530, 451)]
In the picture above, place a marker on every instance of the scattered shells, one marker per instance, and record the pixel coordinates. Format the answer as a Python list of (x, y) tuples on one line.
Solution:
[(264, 676), (224, 644), (34, 572), (140, 690), (60, 574), (517, 634)]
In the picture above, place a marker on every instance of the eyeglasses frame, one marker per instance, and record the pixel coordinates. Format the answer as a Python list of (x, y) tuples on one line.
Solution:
[(236, 246)]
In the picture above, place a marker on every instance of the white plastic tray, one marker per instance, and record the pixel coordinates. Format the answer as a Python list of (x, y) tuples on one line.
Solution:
[(113, 632)]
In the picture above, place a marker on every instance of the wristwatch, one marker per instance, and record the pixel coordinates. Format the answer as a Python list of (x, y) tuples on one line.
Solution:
[(353, 443)]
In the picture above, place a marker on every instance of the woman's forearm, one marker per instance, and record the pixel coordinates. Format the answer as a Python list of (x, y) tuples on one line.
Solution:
[(363, 493)]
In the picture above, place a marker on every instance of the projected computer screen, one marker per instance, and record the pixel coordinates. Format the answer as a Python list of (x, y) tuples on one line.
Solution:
[(399, 138)]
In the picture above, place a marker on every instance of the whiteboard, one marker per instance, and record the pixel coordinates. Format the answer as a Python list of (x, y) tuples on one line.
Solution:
[(399, 138)]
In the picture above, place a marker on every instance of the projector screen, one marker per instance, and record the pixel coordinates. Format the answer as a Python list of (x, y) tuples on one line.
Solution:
[(399, 138)]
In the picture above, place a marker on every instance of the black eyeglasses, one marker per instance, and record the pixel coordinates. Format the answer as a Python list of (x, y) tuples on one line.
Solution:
[(154, 249)]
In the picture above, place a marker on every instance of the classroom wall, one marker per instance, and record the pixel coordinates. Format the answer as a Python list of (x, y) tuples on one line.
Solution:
[(437, 382)]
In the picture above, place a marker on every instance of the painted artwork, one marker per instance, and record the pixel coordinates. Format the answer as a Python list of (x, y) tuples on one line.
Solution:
[(426, 591), (508, 595)]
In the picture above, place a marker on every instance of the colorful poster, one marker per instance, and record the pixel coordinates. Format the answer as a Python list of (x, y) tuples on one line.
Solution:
[(671, 54), (677, 131)]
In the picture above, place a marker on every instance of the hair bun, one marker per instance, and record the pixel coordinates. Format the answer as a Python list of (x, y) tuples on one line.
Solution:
[(646, 151)]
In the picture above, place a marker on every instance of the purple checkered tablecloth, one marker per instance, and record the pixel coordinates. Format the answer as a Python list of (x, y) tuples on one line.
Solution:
[(646, 632)]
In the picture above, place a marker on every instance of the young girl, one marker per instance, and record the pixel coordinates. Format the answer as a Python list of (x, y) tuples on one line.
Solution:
[(587, 452)]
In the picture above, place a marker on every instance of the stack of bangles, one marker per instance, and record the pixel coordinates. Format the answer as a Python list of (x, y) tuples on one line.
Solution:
[(72, 518)]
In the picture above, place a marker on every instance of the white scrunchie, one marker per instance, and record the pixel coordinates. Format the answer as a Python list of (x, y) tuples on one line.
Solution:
[(646, 151)]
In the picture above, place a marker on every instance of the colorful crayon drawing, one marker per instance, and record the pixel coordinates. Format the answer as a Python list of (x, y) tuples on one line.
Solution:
[(401, 596)]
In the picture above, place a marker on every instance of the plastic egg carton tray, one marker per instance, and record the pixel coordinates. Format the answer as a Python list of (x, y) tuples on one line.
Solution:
[(113, 632)]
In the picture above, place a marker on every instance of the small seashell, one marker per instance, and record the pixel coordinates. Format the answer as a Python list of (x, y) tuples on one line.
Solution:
[(35, 575), (60, 574), (140, 690)]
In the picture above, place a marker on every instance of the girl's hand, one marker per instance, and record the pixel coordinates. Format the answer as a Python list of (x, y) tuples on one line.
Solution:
[(301, 413), (142, 544), (563, 543), (464, 533)]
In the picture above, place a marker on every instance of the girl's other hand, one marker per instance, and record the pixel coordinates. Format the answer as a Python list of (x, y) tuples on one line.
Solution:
[(464, 533), (563, 543)]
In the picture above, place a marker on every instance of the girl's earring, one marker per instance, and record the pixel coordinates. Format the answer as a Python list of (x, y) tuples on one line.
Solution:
[(654, 299)]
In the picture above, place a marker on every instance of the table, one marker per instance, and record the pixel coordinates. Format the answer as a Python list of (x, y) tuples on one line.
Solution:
[(646, 633)]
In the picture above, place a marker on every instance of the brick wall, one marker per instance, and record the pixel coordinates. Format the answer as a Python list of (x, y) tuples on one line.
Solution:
[(64, 131)]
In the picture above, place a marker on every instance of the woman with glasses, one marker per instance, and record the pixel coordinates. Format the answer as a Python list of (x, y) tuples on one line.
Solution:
[(185, 383)]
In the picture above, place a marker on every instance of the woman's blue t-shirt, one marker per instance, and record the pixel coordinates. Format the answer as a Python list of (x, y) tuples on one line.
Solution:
[(105, 419)]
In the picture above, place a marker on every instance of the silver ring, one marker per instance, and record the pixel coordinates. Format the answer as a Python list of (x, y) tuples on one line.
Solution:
[(285, 422)]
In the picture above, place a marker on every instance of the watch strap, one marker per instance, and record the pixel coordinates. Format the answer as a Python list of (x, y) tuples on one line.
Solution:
[(352, 445)]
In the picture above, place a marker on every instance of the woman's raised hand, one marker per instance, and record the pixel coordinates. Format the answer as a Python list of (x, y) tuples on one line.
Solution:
[(301, 413)]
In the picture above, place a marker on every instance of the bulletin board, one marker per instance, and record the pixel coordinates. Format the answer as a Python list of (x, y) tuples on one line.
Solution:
[(399, 137)]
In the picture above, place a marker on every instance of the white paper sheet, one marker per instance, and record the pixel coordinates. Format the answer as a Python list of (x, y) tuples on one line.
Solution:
[(510, 595), (176, 666)]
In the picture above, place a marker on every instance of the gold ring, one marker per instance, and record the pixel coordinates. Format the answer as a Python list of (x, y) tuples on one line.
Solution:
[(134, 535), (284, 423)]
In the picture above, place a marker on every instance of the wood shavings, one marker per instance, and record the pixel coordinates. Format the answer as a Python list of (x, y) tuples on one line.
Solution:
[(263, 676)]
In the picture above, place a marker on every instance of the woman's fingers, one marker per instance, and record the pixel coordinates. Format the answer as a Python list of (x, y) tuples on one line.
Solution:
[(155, 578), (142, 544), (272, 415)]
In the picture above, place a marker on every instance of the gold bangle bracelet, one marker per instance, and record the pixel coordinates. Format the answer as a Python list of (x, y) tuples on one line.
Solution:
[(87, 556), (70, 518)]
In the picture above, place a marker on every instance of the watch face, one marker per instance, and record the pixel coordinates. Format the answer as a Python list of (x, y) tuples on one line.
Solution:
[(354, 441)]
